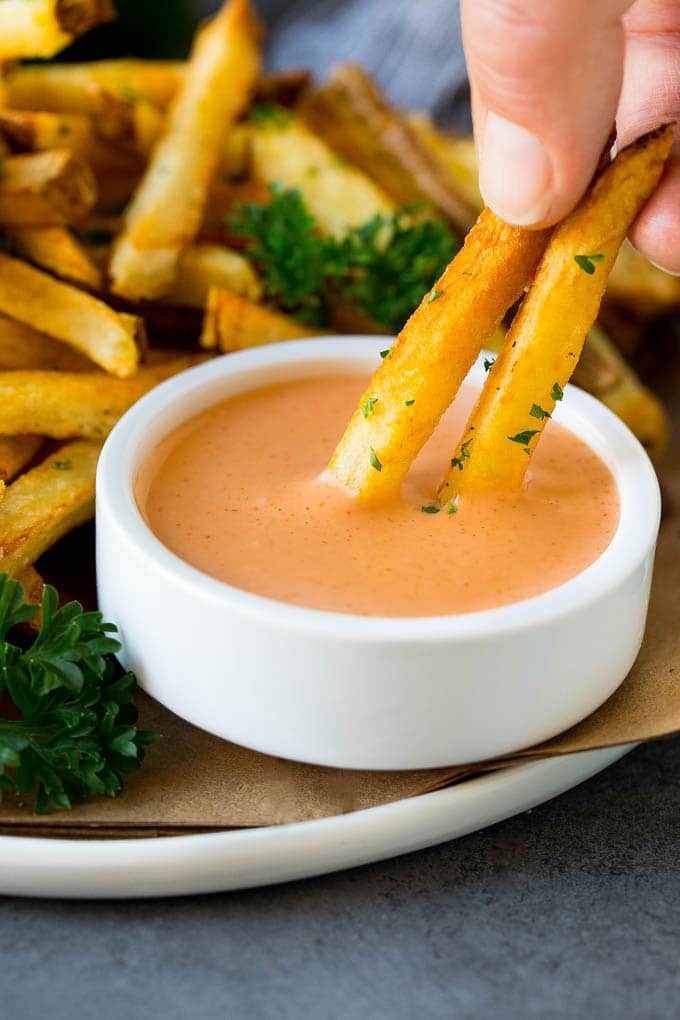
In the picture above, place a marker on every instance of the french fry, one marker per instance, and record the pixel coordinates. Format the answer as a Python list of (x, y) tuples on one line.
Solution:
[(58, 251), (283, 88), (40, 28), (421, 375), (15, 453), (457, 153), (46, 503), (638, 285), (203, 266), (109, 338), (166, 211), (233, 323), (33, 585), (45, 189), (69, 87), (547, 335), (66, 404), (21, 346), (352, 115), (604, 372), (338, 195)]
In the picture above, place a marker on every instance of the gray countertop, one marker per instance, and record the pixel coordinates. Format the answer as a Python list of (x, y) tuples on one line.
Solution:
[(572, 909)]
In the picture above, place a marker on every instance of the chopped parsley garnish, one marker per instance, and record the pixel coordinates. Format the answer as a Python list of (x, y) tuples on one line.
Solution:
[(383, 267), (524, 438), (386, 353), (434, 296), (368, 405), (538, 412), (489, 363), (375, 463), (557, 393), (69, 729), (464, 455), (62, 465), (587, 262), (269, 115), (430, 508), (452, 508), (409, 403)]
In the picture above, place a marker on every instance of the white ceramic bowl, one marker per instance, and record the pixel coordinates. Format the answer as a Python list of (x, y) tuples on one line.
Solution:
[(366, 692)]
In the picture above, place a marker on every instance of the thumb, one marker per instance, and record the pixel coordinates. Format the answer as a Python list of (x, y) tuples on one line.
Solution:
[(545, 78)]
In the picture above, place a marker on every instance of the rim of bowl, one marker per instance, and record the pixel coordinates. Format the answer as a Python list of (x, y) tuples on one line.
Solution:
[(128, 445)]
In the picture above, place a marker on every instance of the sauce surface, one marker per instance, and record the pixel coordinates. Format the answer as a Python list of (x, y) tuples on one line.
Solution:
[(236, 492)]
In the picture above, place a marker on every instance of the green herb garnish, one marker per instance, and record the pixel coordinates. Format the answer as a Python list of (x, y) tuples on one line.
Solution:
[(430, 508), (489, 363), (67, 722), (587, 262), (538, 412), (452, 508), (434, 296), (557, 393), (270, 115), (368, 405), (409, 403), (386, 353), (383, 267), (524, 438), (464, 455), (375, 463), (62, 465)]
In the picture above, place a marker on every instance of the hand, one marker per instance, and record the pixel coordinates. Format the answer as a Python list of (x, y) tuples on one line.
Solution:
[(548, 77)]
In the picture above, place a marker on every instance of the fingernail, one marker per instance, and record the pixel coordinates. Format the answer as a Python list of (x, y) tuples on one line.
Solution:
[(515, 176), (664, 269)]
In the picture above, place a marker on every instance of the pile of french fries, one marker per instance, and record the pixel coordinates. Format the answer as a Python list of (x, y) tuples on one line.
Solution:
[(117, 268)]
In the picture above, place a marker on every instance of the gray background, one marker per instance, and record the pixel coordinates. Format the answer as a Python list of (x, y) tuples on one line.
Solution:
[(570, 910)]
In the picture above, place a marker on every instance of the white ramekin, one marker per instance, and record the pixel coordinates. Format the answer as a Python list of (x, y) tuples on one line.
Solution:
[(366, 692)]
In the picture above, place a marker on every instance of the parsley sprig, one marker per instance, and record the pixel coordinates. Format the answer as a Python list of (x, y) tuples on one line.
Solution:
[(384, 266), (67, 723)]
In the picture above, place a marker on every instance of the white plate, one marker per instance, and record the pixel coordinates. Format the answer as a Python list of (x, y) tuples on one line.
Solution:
[(221, 861)]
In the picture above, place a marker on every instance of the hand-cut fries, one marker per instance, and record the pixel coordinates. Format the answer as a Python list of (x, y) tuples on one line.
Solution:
[(46, 503), (422, 373), (232, 323), (66, 404), (204, 266), (109, 338), (58, 251), (638, 285), (21, 346), (69, 87), (457, 153), (338, 195), (45, 189), (547, 335), (15, 453), (40, 28), (166, 211), (351, 114)]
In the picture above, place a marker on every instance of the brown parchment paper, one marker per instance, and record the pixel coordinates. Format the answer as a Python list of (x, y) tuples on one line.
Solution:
[(193, 782)]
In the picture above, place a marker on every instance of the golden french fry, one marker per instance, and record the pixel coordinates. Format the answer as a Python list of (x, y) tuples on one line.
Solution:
[(66, 404), (69, 87), (45, 189), (109, 338), (636, 284), (338, 195), (547, 336), (21, 346), (15, 453), (203, 266), (58, 251), (353, 116), (166, 211), (40, 28), (232, 323), (457, 153), (421, 375), (46, 503), (33, 585)]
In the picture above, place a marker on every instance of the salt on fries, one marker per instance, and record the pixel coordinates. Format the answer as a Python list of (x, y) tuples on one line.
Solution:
[(547, 335), (166, 211)]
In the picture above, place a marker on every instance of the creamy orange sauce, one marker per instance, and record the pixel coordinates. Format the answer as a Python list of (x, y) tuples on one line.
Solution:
[(236, 492)]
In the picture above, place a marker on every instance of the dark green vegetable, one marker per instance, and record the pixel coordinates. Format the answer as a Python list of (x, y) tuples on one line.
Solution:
[(384, 267), (67, 723)]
